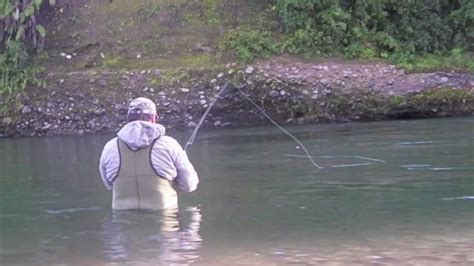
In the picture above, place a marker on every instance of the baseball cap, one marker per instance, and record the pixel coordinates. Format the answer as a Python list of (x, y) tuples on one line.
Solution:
[(142, 105)]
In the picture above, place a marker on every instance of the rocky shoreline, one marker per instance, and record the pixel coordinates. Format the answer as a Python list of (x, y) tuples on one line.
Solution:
[(291, 92)]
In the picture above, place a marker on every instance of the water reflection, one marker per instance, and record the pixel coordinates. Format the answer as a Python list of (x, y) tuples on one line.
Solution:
[(165, 237)]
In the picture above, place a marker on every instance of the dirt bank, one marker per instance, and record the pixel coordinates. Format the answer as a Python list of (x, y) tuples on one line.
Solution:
[(291, 90)]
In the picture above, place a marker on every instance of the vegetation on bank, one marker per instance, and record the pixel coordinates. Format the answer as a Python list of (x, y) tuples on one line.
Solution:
[(417, 35), (21, 35)]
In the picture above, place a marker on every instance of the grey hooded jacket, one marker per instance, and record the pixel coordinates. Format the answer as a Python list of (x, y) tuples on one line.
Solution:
[(167, 157)]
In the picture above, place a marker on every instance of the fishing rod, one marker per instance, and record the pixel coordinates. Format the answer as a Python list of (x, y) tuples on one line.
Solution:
[(193, 135)]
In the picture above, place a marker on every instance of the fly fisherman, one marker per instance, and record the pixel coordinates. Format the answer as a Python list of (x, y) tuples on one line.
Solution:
[(143, 166)]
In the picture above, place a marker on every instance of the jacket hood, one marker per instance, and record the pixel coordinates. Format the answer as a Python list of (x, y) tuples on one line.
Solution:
[(140, 134)]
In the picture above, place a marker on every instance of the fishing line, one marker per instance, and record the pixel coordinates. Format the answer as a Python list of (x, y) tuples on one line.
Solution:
[(193, 135), (310, 158)]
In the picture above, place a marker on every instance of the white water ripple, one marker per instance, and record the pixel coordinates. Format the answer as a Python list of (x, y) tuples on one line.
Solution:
[(460, 198)]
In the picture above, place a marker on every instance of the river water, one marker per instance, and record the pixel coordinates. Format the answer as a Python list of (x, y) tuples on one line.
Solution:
[(398, 192)]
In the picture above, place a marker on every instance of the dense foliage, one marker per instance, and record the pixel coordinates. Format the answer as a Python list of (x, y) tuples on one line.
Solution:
[(20, 33), (373, 28)]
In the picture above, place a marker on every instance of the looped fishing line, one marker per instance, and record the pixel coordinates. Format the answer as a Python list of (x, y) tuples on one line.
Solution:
[(193, 135)]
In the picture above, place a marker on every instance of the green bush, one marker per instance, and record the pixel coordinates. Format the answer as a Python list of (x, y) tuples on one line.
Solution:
[(248, 45), (377, 28), (20, 34)]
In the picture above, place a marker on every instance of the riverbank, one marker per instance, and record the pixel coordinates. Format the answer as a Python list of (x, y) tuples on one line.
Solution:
[(292, 91)]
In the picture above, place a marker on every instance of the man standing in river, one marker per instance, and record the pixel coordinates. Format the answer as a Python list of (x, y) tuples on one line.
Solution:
[(143, 166)]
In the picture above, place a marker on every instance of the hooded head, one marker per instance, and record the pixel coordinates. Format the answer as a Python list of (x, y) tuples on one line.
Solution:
[(141, 130), (142, 109)]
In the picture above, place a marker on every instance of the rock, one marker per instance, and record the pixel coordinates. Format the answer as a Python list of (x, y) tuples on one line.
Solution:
[(139, 56), (213, 81), (192, 124), (202, 102), (282, 92), (7, 121), (99, 111), (95, 101), (25, 110), (45, 126), (80, 132), (184, 89), (102, 83), (443, 79), (157, 72), (220, 75), (249, 70), (274, 94), (199, 47), (217, 123)]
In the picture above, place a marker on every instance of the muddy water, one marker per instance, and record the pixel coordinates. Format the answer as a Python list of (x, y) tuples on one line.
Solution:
[(394, 193)]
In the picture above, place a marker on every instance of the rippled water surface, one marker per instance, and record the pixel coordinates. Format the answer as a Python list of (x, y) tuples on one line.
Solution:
[(397, 193)]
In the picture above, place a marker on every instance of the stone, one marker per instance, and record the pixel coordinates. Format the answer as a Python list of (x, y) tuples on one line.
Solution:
[(213, 81), (249, 70), (274, 94), (217, 123), (7, 121), (95, 101), (192, 124), (25, 110), (45, 126), (184, 89), (220, 75), (202, 102), (443, 79), (102, 83), (282, 92)]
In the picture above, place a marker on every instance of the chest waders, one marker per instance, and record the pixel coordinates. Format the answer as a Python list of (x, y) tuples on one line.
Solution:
[(137, 186)]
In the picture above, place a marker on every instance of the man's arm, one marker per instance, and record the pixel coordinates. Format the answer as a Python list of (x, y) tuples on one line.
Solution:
[(109, 163), (187, 179)]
